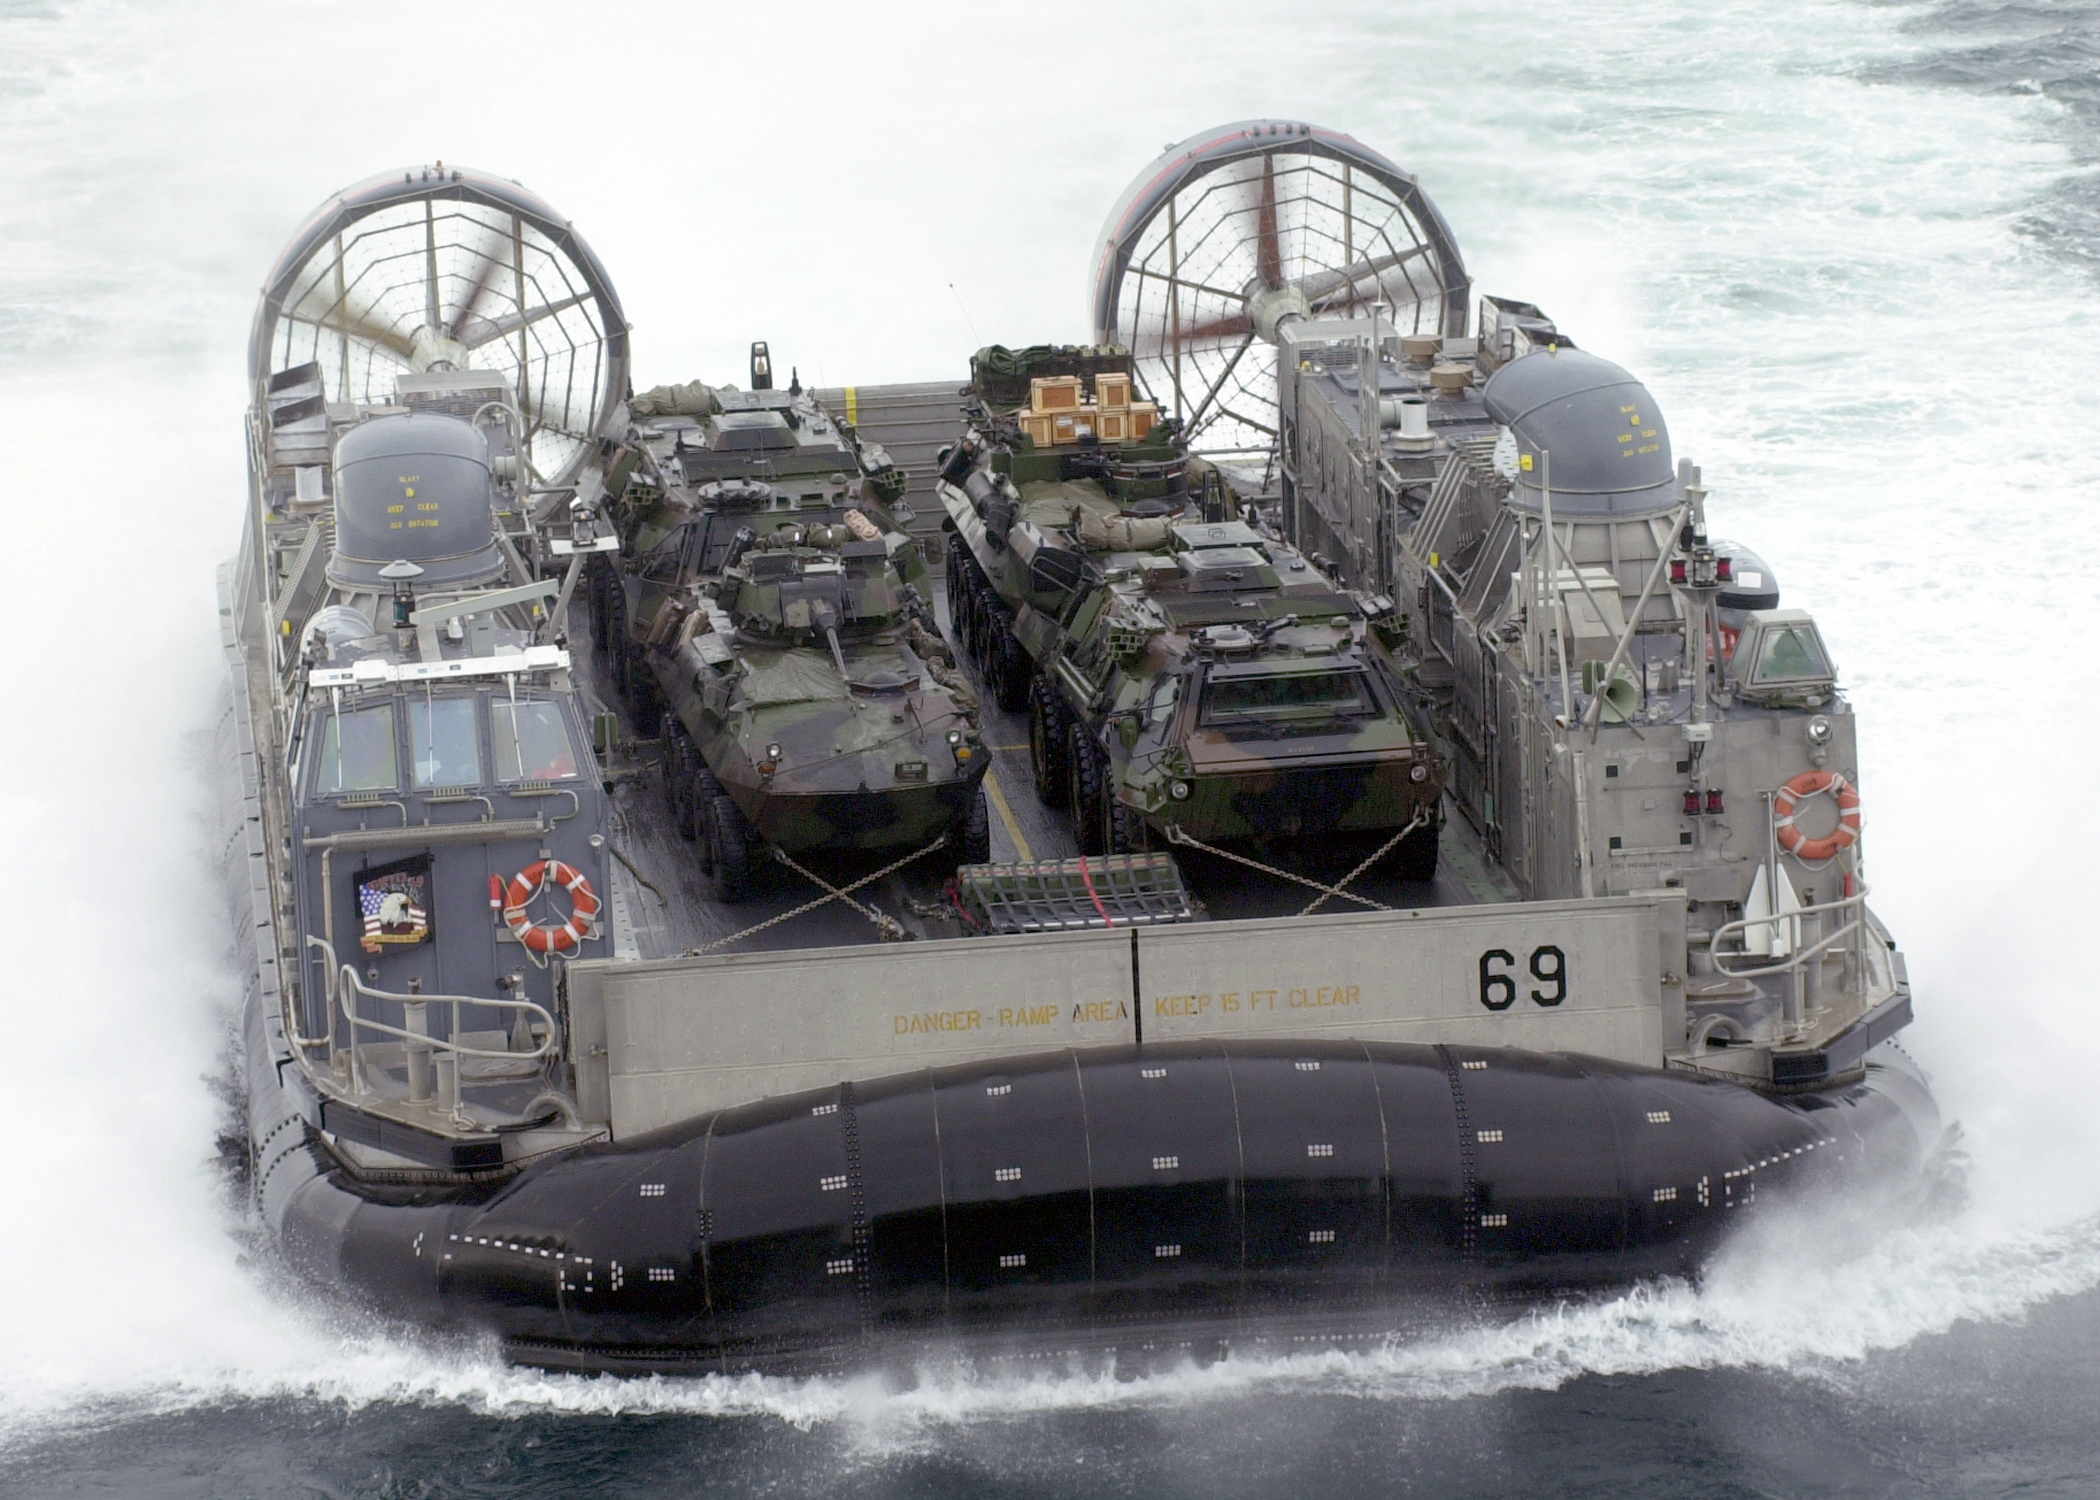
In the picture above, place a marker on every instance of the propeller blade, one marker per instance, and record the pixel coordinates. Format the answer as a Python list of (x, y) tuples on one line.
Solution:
[(484, 278), (1217, 330), (361, 327), (1268, 252), (1330, 287), (478, 331)]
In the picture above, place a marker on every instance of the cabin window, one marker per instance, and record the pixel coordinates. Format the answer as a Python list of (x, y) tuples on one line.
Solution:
[(1293, 695), (532, 741), (1790, 652), (443, 746), (357, 752)]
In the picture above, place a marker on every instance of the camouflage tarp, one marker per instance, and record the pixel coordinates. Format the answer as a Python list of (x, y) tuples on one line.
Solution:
[(693, 399), (801, 675), (1083, 511)]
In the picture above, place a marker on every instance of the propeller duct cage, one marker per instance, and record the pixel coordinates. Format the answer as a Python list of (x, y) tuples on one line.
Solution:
[(426, 278), (1232, 234)]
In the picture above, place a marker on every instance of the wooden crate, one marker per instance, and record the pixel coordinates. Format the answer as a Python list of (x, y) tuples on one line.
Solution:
[(1054, 393), (1037, 425), (1114, 426), (1071, 426), (1111, 392), (1143, 416)]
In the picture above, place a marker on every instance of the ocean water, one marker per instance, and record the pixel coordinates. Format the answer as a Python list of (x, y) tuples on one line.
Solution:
[(1853, 248)]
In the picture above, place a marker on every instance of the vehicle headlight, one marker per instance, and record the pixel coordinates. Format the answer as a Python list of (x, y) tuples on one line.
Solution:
[(1418, 772), (1179, 791)]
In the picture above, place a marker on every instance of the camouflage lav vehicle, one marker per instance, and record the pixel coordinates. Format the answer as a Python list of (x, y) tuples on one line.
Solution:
[(763, 613), (1184, 674)]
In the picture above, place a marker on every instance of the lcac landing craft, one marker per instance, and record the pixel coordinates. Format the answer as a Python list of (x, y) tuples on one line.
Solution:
[(511, 1069)]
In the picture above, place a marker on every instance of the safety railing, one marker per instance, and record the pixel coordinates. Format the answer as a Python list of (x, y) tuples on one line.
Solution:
[(1799, 930), (432, 1062)]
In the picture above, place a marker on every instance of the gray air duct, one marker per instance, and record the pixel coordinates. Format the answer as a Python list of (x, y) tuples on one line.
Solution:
[(1609, 448), (414, 487)]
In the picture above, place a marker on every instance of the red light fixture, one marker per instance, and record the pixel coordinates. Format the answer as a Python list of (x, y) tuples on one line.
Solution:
[(1691, 802), (1713, 800)]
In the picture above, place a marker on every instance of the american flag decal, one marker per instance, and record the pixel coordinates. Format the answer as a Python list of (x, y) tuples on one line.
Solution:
[(394, 903)]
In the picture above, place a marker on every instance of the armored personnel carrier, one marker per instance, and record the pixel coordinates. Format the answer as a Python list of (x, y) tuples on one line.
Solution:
[(503, 1077), (1187, 677), (764, 597)]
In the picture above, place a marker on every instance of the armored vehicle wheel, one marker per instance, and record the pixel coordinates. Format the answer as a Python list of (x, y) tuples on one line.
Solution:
[(700, 816), (681, 766), (729, 851), (973, 831), (1048, 755), (600, 587), (977, 631), (1123, 831), (958, 591), (614, 641), (1012, 670), (1089, 767), (643, 699), (1415, 859)]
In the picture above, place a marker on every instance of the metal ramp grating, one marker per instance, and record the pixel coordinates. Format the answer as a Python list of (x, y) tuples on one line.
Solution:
[(1063, 895)]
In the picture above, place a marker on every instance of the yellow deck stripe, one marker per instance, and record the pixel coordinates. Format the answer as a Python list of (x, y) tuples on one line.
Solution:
[(1006, 816), (853, 405)]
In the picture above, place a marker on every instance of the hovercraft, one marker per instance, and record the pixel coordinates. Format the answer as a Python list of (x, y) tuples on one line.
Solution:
[(514, 1066)]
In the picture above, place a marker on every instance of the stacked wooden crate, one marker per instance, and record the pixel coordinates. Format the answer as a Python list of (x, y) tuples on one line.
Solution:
[(1058, 411)]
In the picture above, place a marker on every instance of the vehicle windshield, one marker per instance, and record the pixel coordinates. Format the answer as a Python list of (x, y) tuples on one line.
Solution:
[(357, 752), (1288, 695), (532, 741), (443, 747)]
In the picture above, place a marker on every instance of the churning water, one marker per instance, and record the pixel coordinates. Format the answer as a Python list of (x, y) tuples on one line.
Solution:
[(1852, 247)]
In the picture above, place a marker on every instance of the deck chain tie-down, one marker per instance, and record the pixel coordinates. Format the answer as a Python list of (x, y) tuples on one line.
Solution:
[(887, 926), (1175, 834)]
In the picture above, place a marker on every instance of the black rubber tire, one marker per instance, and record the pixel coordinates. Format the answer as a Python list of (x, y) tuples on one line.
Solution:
[(958, 590), (1015, 670), (1415, 859), (700, 798), (1084, 797), (644, 700), (1122, 829), (973, 830), (730, 852), (1049, 752), (680, 760), (978, 613), (601, 587), (616, 654)]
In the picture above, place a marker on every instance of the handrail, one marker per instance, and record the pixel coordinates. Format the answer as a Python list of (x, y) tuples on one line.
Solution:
[(421, 1048), (1794, 960), (299, 1040), (442, 1044)]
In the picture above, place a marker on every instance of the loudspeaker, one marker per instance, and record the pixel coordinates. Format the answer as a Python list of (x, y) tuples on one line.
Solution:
[(1621, 697)]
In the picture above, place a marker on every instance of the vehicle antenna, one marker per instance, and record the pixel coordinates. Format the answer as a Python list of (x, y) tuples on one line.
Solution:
[(979, 341)]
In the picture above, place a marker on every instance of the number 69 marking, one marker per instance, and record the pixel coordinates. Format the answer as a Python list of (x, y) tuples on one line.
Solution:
[(1548, 965)]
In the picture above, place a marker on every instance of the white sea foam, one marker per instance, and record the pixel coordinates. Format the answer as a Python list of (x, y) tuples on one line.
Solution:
[(1822, 278)]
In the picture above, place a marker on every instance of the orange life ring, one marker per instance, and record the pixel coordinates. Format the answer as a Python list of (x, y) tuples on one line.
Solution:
[(1809, 784), (583, 913)]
